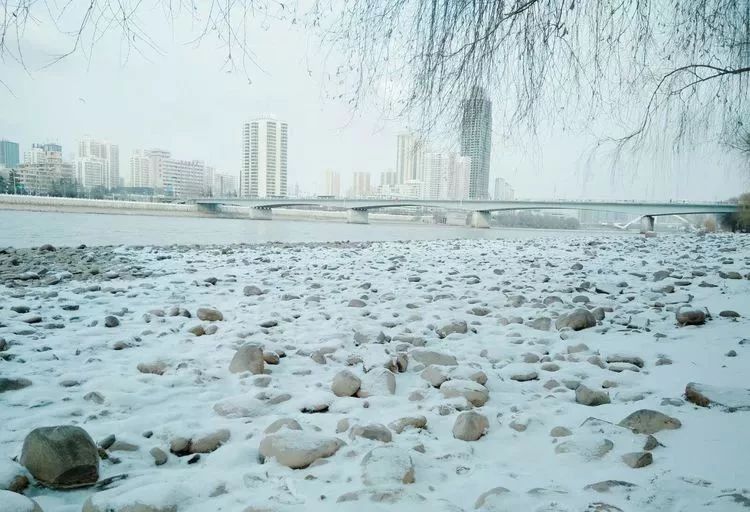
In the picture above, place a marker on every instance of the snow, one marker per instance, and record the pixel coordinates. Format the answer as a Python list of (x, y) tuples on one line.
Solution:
[(699, 465)]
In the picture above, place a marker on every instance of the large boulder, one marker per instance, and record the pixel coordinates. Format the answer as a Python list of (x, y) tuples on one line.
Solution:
[(452, 328), (12, 502), (377, 382), (428, 357), (387, 465), (577, 319), (470, 426), (248, 358), (297, 449), (64, 456), (209, 314), (688, 315), (345, 383), (646, 421), (592, 397), (475, 393)]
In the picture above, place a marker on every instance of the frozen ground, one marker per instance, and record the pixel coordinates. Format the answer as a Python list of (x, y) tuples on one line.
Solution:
[(366, 307)]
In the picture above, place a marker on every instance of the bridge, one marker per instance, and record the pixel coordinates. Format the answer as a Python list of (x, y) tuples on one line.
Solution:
[(261, 208)]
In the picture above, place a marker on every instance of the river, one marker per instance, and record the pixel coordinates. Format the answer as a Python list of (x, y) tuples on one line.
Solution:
[(31, 229)]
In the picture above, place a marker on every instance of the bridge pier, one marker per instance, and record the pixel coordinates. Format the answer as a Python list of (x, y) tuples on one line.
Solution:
[(481, 219), (260, 214), (358, 217), (647, 224)]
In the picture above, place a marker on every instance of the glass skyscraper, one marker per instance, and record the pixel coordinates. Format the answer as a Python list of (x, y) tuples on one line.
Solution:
[(8, 154)]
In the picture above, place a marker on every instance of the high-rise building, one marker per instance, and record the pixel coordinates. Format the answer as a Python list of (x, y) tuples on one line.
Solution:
[(9, 154), (446, 176), (225, 185), (361, 185), (92, 148), (476, 140), (43, 171), (183, 178), (264, 158), (409, 154), (503, 190), (140, 170), (92, 172), (332, 185)]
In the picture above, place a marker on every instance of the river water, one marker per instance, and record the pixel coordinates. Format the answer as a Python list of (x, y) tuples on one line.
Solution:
[(31, 229)]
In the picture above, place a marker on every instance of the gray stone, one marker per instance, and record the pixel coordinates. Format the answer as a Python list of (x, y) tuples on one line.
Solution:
[(621, 358), (401, 424), (525, 376), (111, 321), (63, 456), (728, 313), (345, 383), (560, 432), (356, 303), (475, 393), (210, 442), (373, 432), (159, 455), (277, 425), (587, 396), (248, 358), (428, 357), (435, 375), (470, 426), (297, 449), (13, 384), (452, 328), (155, 368), (483, 498), (577, 320), (729, 399), (688, 315), (209, 315), (608, 485), (377, 382), (647, 421), (387, 465), (252, 290), (638, 459)]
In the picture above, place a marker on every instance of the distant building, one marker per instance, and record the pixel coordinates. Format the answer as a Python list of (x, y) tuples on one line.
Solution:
[(361, 186), (446, 176), (388, 178), (140, 170), (503, 191), (409, 154), (9, 156), (92, 172), (412, 189), (264, 158), (43, 171), (476, 140), (225, 185), (332, 183), (106, 151), (183, 178)]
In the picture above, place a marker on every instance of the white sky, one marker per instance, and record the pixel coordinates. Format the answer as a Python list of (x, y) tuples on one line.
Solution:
[(183, 100)]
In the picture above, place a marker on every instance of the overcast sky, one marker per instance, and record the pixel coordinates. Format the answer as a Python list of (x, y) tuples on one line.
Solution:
[(184, 100)]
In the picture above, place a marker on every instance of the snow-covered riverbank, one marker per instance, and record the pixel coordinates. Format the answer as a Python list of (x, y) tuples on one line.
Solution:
[(393, 376)]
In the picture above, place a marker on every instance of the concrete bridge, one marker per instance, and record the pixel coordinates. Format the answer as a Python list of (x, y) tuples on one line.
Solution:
[(358, 209)]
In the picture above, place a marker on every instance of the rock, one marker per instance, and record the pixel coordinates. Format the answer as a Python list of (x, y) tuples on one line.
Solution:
[(267, 324), (31, 318), (210, 442), (387, 465), (20, 309), (587, 447), (180, 446), (12, 502), (289, 423), (483, 498), (297, 449), (241, 406), (577, 319), (252, 290), (651, 443), (646, 421), (587, 396), (428, 357), (728, 313), (560, 432), (608, 485), (94, 396), (270, 357), (638, 459), (524, 376), (620, 358), (452, 328), (209, 315), (730, 399), (401, 424), (159, 455), (470, 426), (342, 425), (475, 393), (198, 330), (111, 321), (147, 497), (378, 381), (248, 358), (541, 324), (156, 368), (373, 432), (345, 383), (435, 375), (13, 384), (63, 456), (688, 315), (356, 303), (107, 442), (13, 476)]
